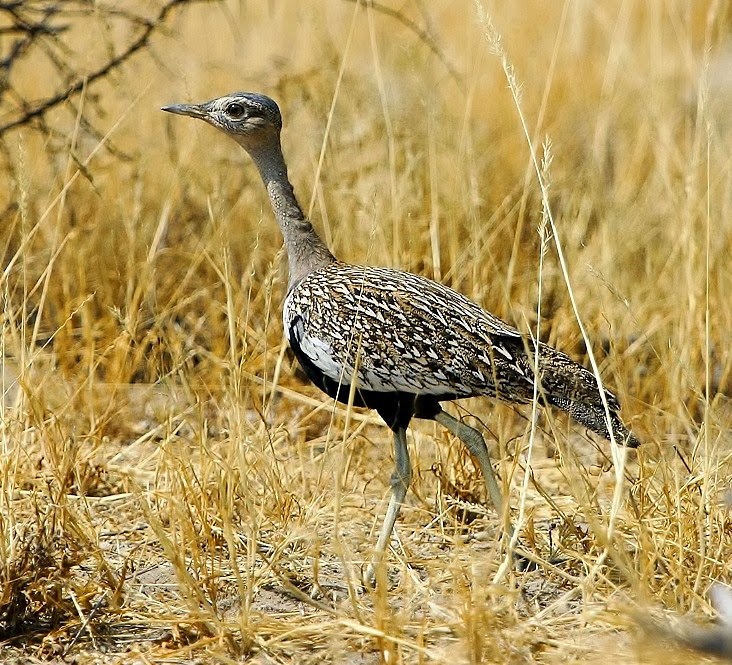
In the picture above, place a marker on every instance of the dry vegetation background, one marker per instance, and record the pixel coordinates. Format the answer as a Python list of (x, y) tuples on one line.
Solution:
[(173, 491)]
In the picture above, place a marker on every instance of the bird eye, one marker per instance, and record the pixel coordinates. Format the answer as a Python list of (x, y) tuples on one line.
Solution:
[(235, 110)]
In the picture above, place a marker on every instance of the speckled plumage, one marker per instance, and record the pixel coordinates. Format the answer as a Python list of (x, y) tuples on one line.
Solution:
[(400, 332), (407, 342), (410, 334)]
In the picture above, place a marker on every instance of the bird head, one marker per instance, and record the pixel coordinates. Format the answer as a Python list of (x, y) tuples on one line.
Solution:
[(249, 118)]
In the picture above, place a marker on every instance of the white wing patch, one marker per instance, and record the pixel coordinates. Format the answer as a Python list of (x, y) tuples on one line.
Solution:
[(321, 355)]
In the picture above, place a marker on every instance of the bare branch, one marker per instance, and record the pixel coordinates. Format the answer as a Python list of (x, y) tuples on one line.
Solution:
[(33, 29)]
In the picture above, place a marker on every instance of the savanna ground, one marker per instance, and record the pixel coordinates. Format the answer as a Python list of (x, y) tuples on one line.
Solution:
[(173, 490)]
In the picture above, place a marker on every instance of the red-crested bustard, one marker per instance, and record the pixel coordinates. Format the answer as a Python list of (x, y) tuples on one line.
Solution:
[(407, 342)]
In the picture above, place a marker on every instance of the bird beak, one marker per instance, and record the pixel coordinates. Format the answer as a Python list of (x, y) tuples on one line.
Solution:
[(192, 110)]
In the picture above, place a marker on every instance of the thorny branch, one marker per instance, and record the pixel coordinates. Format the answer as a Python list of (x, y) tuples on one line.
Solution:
[(33, 24)]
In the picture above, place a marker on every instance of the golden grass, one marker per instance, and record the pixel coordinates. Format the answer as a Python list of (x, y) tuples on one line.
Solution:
[(173, 491)]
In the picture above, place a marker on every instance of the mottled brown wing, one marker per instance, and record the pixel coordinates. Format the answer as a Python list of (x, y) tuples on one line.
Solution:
[(396, 331)]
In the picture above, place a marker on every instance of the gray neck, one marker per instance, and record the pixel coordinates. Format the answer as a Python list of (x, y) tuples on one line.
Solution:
[(306, 252)]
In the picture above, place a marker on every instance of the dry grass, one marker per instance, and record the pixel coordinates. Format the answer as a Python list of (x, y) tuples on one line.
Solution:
[(173, 491)]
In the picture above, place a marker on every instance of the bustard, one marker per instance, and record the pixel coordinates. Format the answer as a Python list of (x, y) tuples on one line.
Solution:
[(407, 342)]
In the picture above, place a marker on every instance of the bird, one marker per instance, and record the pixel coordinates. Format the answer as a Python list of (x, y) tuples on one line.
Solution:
[(394, 341)]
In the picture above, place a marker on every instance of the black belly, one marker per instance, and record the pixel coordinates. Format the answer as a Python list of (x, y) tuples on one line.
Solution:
[(396, 407)]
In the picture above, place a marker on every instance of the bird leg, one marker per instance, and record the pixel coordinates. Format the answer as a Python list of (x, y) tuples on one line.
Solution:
[(475, 443), (399, 485)]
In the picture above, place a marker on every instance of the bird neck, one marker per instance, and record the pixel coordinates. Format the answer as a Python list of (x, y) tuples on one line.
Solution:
[(306, 251)]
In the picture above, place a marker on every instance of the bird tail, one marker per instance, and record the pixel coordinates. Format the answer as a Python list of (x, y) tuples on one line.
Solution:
[(594, 417), (573, 388)]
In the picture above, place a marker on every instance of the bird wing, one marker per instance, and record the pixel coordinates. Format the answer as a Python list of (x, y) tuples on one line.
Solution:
[(396, 331)]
